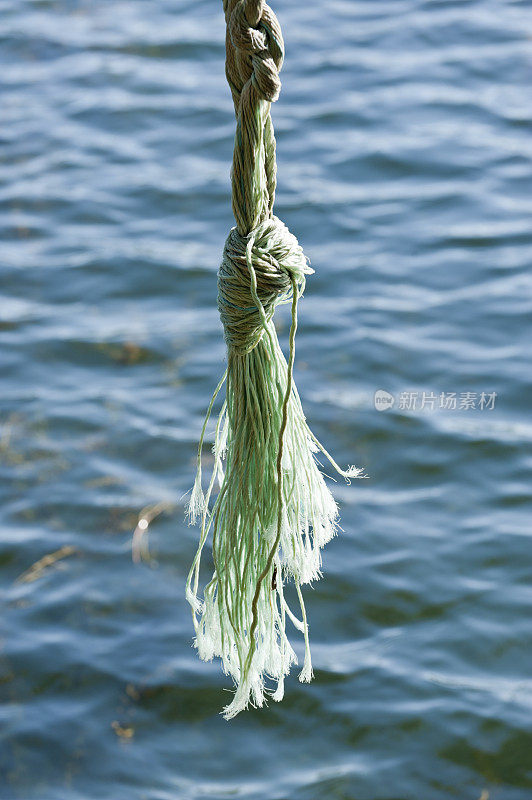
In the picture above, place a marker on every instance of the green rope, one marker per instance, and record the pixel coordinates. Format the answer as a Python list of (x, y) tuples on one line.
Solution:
[(273, 511)]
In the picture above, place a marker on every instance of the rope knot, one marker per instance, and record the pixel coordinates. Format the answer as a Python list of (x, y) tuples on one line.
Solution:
[(261, 45), (243, 35), (256, 275)]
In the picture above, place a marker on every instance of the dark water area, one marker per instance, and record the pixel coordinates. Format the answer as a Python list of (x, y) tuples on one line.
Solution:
[(405, 169)]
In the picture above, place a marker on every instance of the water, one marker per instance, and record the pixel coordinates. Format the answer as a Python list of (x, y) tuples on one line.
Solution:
[(405, 155)]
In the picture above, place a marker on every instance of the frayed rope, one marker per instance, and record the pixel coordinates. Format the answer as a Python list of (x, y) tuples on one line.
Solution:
[(273, 511)]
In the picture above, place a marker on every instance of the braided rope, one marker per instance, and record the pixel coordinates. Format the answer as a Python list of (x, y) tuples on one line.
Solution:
[(254, 56)]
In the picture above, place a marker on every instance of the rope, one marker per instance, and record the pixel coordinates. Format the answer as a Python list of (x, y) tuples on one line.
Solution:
[(274, 511)]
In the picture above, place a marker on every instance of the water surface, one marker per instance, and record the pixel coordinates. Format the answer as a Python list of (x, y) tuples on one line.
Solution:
[(404, 150)]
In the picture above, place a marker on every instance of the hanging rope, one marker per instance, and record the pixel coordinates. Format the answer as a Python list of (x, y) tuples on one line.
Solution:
[(273, 511)]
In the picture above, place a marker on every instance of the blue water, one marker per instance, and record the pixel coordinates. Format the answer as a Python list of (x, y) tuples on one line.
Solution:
[(405, 166)]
